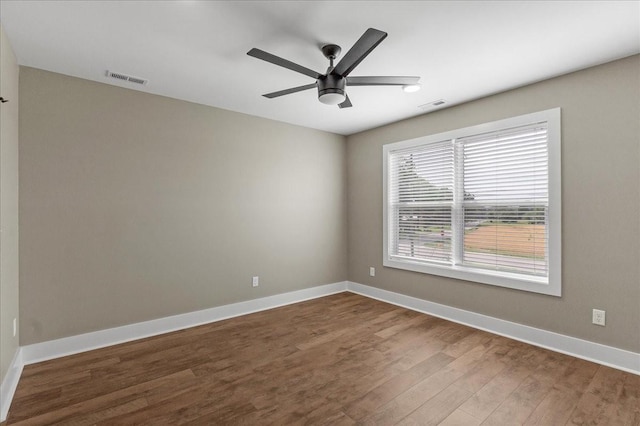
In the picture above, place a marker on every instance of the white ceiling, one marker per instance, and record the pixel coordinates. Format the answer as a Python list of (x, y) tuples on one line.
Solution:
[(196, 50)]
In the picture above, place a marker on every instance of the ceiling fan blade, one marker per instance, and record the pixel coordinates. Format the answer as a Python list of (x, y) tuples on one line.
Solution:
[(276, 60), (365, 44), (346, 103), (382, 81), (289, 91)]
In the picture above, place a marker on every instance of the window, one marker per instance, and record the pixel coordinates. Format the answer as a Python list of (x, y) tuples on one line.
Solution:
[(480, 204)]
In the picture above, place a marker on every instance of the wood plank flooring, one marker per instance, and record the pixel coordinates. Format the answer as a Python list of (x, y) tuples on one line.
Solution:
[(338, 360)]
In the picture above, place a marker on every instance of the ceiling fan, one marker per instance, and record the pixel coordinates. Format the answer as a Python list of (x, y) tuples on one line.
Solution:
[(331, 86)]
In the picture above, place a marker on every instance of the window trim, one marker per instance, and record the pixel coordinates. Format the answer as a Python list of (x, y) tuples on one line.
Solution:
[(551, 285)]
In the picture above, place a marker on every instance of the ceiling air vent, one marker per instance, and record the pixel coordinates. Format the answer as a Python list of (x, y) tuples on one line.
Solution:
[(123, 77), (432, 105)]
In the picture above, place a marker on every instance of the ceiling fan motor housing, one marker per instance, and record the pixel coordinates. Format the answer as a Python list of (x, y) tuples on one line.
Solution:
[(331, 89)]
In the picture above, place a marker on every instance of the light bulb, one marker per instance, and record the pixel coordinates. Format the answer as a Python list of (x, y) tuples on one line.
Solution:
[(410, 88)]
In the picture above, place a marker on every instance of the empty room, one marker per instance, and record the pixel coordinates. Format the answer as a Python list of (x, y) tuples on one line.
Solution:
[(319, 212)]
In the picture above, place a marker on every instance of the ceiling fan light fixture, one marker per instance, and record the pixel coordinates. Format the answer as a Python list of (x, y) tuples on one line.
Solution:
[(331, 89), (332, 98), (410, 88)]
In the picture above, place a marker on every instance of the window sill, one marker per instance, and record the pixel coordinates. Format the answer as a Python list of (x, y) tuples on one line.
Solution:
[(532, 284)]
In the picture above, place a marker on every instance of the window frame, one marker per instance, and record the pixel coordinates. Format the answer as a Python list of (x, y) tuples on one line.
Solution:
[(549, 285)]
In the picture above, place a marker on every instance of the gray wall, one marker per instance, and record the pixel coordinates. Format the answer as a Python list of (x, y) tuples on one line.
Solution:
[(135, 206), (601, 223), (8, 204)]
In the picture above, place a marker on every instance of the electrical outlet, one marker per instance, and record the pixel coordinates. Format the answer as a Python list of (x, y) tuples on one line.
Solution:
[(598, 317), (372, 271), (15, 327), (256, 281)]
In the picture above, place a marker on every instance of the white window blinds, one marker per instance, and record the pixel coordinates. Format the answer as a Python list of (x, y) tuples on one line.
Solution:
[(422, 199), (505, 180)]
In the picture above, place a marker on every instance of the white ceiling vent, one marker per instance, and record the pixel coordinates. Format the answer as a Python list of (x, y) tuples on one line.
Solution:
[(432, 105), (124, 77)]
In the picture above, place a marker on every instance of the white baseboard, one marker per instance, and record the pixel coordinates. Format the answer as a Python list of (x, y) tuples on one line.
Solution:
[(10, 383), (590, 351), (85, 342)]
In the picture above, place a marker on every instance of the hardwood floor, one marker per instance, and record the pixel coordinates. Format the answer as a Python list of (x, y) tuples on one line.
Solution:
[(339, 360)]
